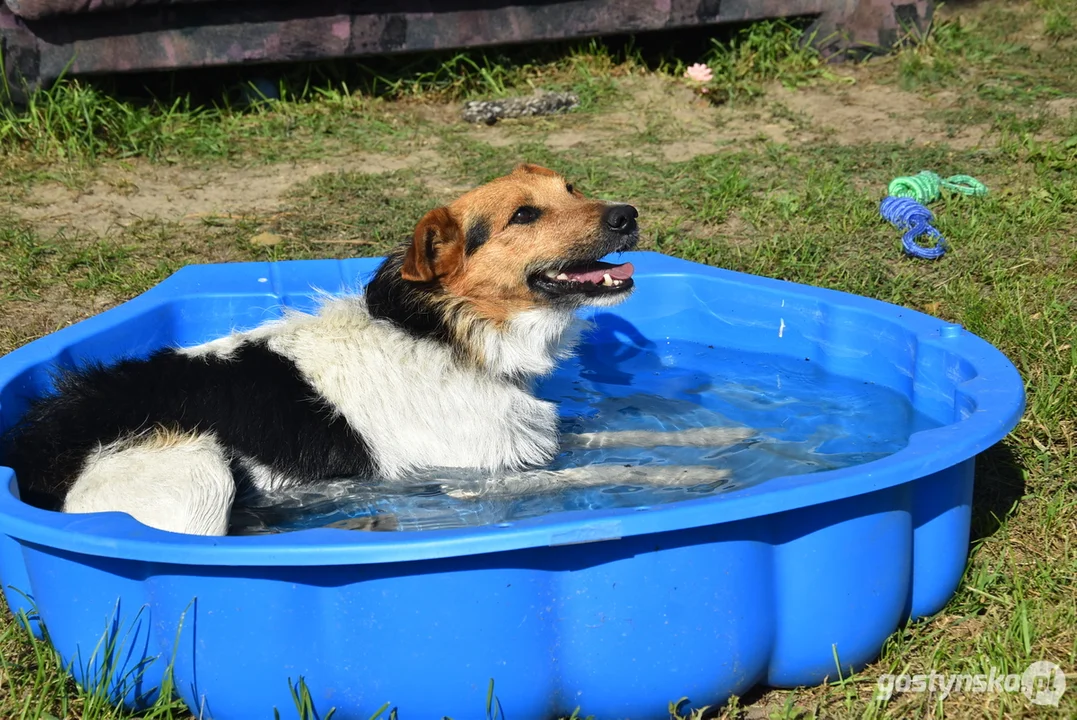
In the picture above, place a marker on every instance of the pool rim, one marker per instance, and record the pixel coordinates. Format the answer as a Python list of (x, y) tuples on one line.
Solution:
[(997, 390)]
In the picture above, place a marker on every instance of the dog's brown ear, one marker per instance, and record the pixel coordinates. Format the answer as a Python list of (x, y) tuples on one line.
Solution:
[(532, 169), (437, 250)]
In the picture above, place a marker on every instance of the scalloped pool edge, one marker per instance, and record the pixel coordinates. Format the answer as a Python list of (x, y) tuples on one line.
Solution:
[(617, 612)]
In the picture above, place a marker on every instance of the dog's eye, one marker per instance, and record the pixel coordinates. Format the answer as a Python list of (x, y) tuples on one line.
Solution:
[(525, 215), (570, 187)]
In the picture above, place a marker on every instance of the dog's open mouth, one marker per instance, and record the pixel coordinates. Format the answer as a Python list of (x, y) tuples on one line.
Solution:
[(590, 278)]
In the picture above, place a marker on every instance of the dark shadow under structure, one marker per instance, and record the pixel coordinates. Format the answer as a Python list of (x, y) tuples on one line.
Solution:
[(40, 40)]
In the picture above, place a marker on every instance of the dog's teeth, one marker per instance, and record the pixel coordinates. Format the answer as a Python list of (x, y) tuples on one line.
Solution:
[(616, 283), (607, 280), (552, 274), (562, 276)]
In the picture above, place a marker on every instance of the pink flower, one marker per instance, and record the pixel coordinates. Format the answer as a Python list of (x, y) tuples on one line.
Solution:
[(699, 73)]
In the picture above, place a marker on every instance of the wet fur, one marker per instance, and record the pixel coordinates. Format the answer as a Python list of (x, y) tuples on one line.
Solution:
[(431, 367)]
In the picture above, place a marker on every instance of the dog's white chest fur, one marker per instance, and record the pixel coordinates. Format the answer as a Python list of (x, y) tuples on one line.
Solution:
[(413, 403)]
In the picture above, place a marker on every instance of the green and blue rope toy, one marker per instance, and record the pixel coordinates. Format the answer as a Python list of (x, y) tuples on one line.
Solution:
[(926, 186), (905, 208)]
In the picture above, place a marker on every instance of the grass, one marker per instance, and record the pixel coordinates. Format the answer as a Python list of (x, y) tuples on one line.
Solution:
[(334, 105), (803, 208), (376, 226), (763, 52), (315, 108), (1058, 19)]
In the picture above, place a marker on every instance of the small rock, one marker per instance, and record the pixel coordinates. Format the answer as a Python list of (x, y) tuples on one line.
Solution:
[(266, 239), (541, 103)]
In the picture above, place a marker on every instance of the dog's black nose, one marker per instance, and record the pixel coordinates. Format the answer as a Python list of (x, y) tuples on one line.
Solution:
[(621, 218)]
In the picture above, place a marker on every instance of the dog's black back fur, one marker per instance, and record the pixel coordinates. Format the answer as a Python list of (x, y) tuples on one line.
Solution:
[(255, 401)]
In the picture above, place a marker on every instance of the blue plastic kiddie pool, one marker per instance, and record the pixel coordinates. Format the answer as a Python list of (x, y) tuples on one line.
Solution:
[(616, 610)]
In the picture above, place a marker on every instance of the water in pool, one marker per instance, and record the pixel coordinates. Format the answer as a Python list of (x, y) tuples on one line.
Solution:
[(803, 419)]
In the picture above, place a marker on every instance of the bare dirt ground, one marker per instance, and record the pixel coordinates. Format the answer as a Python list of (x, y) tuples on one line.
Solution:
[(851, 110), (137, 191)]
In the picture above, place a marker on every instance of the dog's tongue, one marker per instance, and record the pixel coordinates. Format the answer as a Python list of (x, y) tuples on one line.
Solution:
[(617, 272)]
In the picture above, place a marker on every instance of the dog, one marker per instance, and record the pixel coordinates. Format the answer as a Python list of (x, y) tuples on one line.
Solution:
[(430, 367)]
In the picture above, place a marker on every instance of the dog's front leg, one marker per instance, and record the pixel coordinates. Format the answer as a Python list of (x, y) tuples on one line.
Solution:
[(535, 482), (689, 437)]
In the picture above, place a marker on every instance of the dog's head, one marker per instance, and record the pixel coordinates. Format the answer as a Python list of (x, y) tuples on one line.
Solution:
[(525, 242), (529, 239)]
